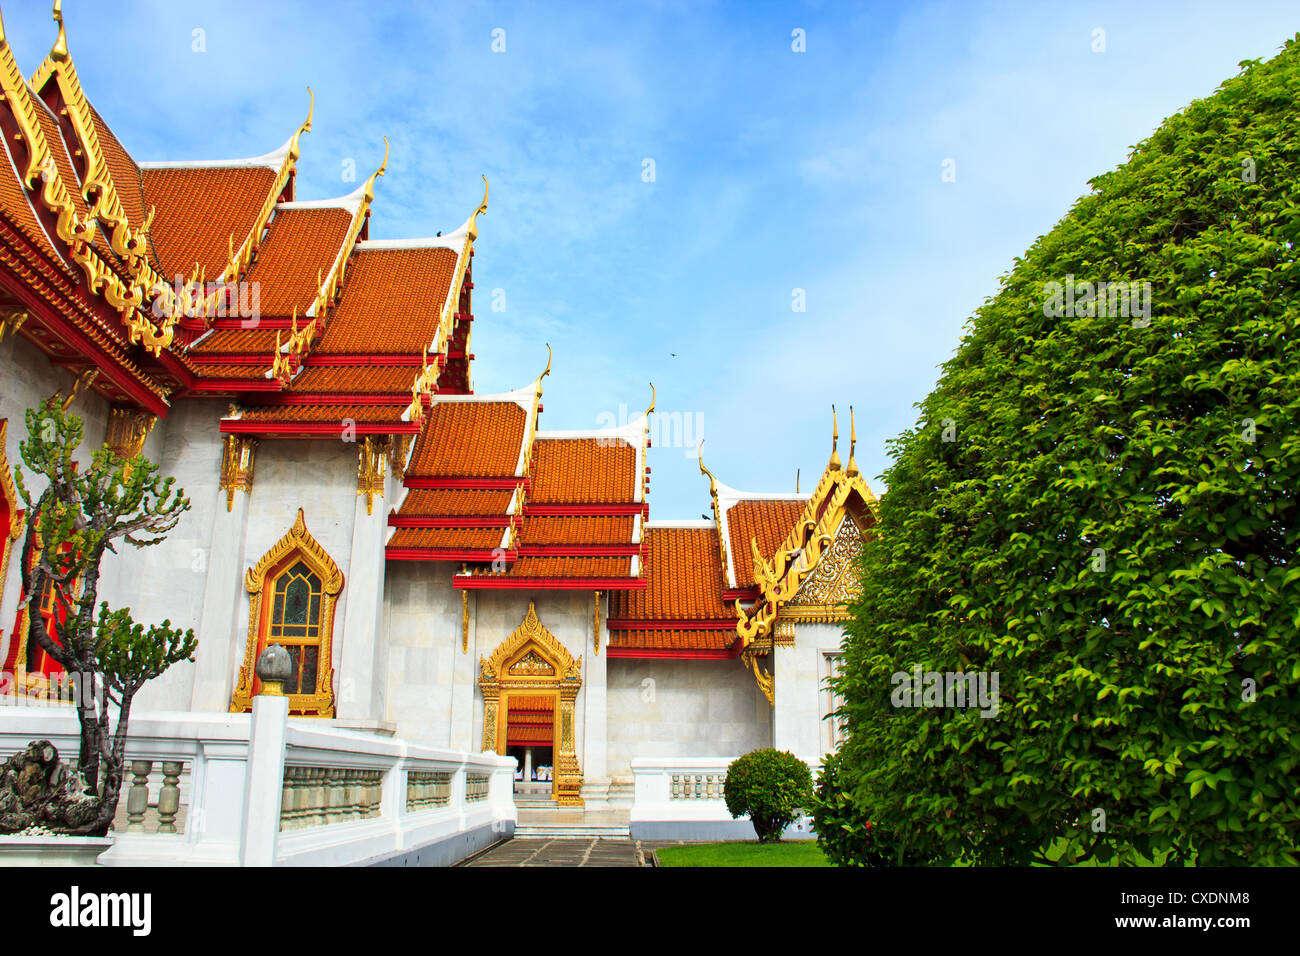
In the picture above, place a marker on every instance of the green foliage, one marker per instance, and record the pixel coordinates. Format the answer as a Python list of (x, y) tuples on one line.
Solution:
[(79, 517), (1113, 530), (128, 655), (844, 833), (771, 786)]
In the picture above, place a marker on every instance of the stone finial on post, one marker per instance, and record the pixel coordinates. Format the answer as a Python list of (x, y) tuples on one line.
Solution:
[(274, 667), (264, 779)]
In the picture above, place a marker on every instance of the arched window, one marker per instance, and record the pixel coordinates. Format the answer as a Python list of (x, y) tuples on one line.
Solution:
[(292, 594)]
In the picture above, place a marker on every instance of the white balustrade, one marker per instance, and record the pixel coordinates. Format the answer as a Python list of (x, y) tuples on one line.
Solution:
[(203, 788)]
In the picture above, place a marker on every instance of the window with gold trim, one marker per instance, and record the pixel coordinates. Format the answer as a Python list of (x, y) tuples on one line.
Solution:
[(292, 595)]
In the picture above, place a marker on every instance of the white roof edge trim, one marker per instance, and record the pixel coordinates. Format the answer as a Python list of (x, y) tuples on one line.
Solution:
[(428, 242), (272, 160), (680, 523)]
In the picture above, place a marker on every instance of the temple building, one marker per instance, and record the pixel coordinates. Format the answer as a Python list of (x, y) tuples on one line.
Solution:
[(439, 565)]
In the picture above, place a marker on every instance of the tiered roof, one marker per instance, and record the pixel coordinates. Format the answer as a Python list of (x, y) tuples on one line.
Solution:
[(366, 340)]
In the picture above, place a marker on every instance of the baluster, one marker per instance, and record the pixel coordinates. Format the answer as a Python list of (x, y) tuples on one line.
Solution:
[(137, 800), (169, 800)]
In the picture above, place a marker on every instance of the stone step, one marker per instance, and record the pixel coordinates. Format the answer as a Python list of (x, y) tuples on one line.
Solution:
[(556, 831)]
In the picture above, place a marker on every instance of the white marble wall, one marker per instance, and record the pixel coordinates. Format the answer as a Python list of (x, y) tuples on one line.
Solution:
[(682, 708), (801, 701), (432, 694), (166, 581), (319, 476)]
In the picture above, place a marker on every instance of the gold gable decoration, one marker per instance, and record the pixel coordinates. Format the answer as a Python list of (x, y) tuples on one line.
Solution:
[(833, 584), (298, 541), (827, 532), (530, 631)]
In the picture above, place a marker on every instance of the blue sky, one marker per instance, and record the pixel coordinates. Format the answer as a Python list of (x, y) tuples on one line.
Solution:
[(774, 171)]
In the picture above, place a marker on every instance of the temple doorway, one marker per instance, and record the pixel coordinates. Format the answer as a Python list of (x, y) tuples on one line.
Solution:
[(529, 687), (530, 737)]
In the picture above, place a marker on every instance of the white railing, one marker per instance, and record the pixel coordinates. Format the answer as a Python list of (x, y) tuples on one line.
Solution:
[(682, 798), (261, 789), (679, 788)]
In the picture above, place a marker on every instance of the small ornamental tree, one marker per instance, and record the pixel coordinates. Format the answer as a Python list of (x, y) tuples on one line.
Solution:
[(82, 514), (1098, 505), (772, 787)]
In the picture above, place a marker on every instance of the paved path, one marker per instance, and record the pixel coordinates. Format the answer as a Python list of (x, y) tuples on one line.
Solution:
[(542, 851)]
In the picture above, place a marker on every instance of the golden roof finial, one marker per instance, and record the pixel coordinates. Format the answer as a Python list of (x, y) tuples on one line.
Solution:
[(60, 49), (370, 183), (482, 208), (796, 481), (546, 371), (853, 444), (651, 409), (294, 151), (713, 482), (294, 321), (230, 247), (835, 441)]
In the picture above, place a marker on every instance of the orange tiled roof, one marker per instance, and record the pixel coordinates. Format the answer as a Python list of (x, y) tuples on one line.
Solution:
[(392, 302), (477, 538), (683, 578), (768, 520), (341, 414), (126, 174), (227, 341), (254, 372), (583, 471), (199, 208), (469, 439), (355, 379), (15, 207), (456, 502), (300, 246), (533, 567), (583, 529), (716, 639)]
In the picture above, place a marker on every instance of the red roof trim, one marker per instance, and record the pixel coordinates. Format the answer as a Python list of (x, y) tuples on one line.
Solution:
[(316, 429), (665, 653), (473, 484), (448, 554), (626, 508), (483, 582)]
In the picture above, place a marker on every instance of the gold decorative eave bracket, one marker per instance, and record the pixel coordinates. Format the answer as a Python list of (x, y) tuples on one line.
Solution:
[(447, 323), (797, 557), (78, 233), (533, 414), (717, 508)]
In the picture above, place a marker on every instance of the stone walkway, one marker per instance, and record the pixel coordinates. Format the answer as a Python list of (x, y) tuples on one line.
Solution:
[(568, 851)]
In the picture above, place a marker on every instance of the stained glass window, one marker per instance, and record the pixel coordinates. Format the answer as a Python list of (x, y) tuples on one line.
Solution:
[(296, 625)]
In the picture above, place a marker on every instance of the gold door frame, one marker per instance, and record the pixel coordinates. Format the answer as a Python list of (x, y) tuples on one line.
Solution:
[(532, 661)]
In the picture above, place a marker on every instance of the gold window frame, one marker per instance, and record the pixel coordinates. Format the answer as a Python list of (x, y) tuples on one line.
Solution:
[(259, 581)]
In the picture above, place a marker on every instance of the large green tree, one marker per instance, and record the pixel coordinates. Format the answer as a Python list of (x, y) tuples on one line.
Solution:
[(1098, 504)]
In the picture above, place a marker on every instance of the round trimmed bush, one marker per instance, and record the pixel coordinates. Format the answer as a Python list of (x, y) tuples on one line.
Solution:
[(772, 787)]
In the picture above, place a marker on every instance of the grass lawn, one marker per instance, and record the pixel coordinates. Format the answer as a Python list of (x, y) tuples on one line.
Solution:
[(753, 853)]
